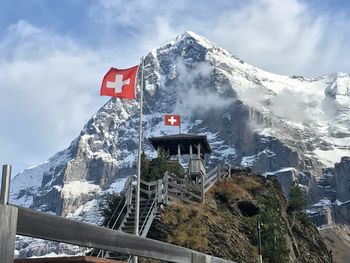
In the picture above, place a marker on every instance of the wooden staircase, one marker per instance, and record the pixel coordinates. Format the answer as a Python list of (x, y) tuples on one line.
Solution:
[(147, 214), (152, 194), (148, 209)]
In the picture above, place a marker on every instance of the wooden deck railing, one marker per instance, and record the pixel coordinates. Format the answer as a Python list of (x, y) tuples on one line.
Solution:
[(27, 222)]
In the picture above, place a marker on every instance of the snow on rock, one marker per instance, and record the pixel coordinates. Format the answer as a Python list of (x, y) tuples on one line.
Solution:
[(248, 161), (330, 157), (89, 212), (76, 188), (288, 126)]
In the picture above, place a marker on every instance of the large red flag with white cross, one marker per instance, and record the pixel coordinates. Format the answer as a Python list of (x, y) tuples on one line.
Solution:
[(120, 83)]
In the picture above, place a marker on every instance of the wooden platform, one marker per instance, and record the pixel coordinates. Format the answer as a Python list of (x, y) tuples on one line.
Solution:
[(81, 259)]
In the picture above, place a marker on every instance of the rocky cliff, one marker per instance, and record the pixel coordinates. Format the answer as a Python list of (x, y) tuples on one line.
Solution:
[(291, 127), (337, 239), (226, 225)]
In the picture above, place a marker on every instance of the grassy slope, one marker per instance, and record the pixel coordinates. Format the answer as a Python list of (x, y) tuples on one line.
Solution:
[(219, 227)]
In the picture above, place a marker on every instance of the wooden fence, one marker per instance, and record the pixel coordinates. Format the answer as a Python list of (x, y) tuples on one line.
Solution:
[(27, 222)]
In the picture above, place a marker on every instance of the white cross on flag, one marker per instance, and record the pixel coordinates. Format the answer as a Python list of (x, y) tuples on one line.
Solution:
[(172, 120), (119, 83)]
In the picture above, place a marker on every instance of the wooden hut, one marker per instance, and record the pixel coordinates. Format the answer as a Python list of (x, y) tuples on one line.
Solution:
[(193, 145)]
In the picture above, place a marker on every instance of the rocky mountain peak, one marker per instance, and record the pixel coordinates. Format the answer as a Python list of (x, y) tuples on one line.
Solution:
[(280, 125)]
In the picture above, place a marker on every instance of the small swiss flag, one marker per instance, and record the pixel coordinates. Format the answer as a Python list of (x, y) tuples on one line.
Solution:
[(172, 120), (119, 83)]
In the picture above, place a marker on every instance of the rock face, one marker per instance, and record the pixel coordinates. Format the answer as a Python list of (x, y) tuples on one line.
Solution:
[(268, 122), (342, 179), (226, 225), (337, 239)]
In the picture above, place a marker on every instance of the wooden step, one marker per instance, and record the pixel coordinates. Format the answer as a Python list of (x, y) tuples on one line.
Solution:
[(132, 223), (129, 229), (132, 219)]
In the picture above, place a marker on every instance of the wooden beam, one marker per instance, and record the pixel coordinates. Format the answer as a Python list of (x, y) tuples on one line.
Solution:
[(183, 189), (203, 189), (8, 219), (67, 259), (199, 150), (51, 227), (200, 259), (5, 184)]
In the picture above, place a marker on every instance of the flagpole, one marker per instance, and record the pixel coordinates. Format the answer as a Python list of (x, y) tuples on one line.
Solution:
[(137, 201)]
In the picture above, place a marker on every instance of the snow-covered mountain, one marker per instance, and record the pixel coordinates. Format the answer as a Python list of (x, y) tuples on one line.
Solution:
[(289, 126)]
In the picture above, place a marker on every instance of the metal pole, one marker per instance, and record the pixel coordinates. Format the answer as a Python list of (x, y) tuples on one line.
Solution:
[(5, 184), (258, 227), (137, 201)]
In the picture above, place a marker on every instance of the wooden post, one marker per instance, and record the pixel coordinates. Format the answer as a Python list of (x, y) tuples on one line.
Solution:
[(5, 184), (8, 219), (127, 196), (179, 152), (191, 152), (8, 227), (199, 150), (165, 198), (203, 188), (160, 190)]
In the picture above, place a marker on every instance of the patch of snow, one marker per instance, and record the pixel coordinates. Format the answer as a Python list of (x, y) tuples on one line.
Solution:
[(338, 203), (323, 202), (285, 169), (267, 152), (248, 161), (330, 157), (90, 212), (76, 188), (117, 186)]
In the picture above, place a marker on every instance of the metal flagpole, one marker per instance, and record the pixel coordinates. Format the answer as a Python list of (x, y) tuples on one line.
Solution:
[(137, 201)]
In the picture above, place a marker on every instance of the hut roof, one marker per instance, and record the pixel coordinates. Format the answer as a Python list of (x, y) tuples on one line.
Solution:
[(170, 142)]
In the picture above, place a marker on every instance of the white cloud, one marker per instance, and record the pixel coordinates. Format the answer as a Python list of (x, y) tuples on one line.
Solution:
[(286, 37), (49, 88), (49, 82), (191, 98)]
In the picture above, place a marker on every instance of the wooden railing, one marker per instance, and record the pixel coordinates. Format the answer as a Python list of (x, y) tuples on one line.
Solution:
[(27, 222), (187, 190), (182, 189), (196, 166)]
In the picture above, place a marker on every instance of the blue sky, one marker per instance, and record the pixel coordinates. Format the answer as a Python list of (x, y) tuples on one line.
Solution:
[(53, 54)]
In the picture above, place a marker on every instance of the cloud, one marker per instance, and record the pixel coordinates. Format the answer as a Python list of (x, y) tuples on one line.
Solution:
[(190, 97), (49, 79), (287, 37), (49, 89), (292, 105)]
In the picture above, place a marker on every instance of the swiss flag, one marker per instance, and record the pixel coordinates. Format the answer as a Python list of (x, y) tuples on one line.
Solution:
[(119, 83), (172, 120)]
